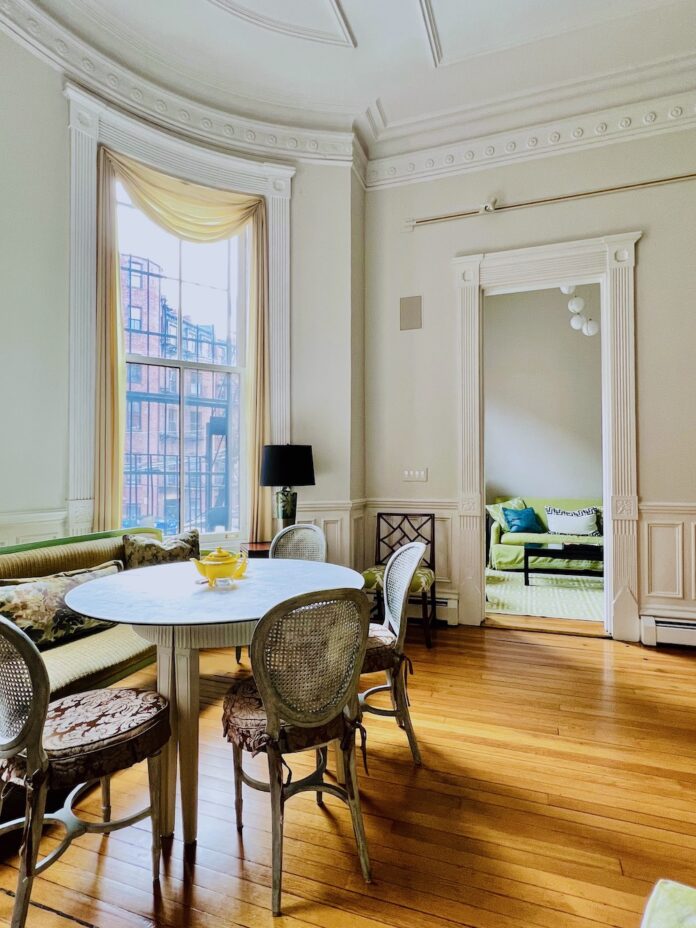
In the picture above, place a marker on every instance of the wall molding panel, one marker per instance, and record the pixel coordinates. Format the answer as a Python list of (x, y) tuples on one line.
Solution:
[(18, 528), (668, 560)]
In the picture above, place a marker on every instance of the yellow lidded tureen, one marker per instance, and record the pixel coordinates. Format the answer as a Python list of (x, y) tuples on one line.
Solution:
[(221, 565)]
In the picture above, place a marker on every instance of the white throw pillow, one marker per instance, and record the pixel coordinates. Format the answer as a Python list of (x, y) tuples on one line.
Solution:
[(572, 521)]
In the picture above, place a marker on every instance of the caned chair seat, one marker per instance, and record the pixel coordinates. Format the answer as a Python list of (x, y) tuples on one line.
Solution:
[(94, 734), (244, 723), (423, 579), (381, 653)]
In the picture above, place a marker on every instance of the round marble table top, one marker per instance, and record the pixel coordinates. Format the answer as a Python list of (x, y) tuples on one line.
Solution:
[(172, 594)]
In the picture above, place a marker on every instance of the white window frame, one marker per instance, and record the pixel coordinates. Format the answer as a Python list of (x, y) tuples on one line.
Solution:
[(93, 123)]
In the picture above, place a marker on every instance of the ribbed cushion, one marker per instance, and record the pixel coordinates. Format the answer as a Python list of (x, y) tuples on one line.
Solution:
[(90, 658), (532, 538), (40, 562)]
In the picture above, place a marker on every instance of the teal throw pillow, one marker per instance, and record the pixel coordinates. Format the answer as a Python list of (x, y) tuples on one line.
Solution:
[(523, 520)]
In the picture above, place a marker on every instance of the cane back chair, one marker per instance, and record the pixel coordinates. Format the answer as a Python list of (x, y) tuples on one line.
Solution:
[(385, 643), (70, 744), (306, 655), (393, 530), (304, 542)]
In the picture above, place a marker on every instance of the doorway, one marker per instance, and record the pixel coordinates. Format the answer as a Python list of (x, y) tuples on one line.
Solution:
[(542, 453), (608, 261)]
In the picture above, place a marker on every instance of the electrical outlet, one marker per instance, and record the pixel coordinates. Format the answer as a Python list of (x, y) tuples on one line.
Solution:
[(416, 473)]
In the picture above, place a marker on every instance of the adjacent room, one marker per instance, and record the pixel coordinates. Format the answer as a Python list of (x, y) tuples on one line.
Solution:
[(347, 484), (542, 373)]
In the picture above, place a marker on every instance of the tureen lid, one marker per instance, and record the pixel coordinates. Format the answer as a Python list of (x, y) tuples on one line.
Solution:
[(218, 556)]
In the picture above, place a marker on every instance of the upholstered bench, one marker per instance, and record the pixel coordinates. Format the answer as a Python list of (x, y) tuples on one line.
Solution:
[(105, 656)]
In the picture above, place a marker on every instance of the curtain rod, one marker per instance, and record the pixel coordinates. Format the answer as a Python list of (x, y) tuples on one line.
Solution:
[(491, 206)]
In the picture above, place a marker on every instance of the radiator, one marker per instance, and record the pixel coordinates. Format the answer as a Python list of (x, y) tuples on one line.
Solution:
[(655, 630)]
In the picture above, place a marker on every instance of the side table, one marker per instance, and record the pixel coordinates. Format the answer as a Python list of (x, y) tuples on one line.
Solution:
[(256, 548)]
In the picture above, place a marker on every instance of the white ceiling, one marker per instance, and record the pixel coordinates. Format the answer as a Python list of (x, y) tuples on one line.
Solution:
[(404, 72)]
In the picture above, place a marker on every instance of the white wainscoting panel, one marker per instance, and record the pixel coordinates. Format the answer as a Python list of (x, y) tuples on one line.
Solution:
[(18, 528), (668, 560), (338, 519)]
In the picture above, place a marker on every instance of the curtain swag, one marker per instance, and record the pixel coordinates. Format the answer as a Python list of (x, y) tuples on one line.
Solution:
[(197, 214)]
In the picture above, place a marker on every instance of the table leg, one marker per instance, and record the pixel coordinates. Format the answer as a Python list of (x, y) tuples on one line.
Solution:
[(188, 707), (166, 685), (526, 568)]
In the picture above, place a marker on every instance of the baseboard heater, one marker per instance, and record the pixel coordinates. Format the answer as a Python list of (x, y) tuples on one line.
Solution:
[(655, 630)]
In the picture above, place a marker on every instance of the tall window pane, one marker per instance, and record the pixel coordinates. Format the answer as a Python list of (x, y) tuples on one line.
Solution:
[(184, 311)]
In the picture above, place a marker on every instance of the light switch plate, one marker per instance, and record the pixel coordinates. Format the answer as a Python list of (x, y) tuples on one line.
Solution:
[(416, 474)]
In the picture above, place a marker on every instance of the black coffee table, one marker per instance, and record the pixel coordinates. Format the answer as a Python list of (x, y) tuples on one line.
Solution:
[(563, 552)]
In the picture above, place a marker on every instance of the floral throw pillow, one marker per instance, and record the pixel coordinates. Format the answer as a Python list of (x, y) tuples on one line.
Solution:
[(38, 607), (143, 551)]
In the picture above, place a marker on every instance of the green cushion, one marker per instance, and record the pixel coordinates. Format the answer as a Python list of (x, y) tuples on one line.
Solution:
[(671, 905), (533, 538), (511, 557), (423, 579), (495, 510)]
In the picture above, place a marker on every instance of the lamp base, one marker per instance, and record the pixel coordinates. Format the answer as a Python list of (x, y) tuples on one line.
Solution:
[(285, 509)]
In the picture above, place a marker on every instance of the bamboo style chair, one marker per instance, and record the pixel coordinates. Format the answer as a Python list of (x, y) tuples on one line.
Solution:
[(304, 542), (392, 531), (306, 654), (385, 643), (71, 743)]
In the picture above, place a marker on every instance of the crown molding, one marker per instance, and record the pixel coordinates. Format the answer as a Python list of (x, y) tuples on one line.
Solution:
[(590, 130), (82, 64), (344, 37)]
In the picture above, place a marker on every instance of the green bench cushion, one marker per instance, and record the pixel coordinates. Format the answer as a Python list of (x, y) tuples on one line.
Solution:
[(423, 579)]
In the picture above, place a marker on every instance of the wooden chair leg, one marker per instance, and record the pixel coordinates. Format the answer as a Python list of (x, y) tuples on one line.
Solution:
[(320, 756), (35, 807), (275, 779), (238, 653), (106, 798), (238, 783), (425, 612), (433, 609), (353, 792), (404, 714), (154, 774)]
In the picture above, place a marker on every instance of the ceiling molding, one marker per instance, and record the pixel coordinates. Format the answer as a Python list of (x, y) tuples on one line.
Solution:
[(602, 127), (431, 31), (344, 37), (650, 80), (84, 65)]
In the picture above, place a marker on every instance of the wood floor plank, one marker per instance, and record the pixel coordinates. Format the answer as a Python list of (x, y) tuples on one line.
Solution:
[(558, 785)]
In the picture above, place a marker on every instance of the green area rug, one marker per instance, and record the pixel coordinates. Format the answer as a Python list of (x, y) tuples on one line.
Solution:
[(548, 595)]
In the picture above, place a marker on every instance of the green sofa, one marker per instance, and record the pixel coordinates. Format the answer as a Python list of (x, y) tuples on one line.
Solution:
[(99, 659), (506, 551)]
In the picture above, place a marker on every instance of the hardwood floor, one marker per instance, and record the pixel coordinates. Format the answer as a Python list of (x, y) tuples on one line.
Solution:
[(536, 623), (559, 784)]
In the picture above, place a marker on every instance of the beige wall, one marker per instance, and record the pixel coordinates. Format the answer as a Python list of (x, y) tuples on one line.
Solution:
[(411, 377), (542, 396), (327, 303), (34, 179)]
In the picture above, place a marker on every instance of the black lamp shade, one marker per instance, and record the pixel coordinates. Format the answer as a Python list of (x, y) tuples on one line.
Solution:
[(287, 466)]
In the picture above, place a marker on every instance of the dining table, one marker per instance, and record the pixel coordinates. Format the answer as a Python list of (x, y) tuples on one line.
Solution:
[(169, 605)]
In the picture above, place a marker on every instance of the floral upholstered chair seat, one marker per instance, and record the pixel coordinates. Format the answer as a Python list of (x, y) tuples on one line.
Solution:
[(91, 735), (244, 723), (381, 653), (423, 579)]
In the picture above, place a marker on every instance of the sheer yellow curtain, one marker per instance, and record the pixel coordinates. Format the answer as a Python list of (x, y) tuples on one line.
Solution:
[(197, 214)]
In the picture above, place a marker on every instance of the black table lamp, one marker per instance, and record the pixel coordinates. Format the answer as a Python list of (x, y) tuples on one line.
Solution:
[(286, 466)]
